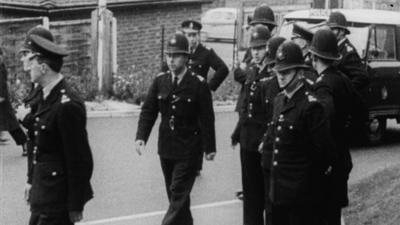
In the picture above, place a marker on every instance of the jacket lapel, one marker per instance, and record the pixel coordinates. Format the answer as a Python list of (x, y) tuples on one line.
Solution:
[(292, 101)]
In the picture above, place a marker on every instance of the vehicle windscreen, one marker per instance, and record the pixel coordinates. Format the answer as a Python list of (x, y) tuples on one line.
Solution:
[(358, 35)]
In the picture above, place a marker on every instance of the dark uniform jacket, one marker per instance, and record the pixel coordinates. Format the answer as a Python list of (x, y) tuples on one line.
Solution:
[(187, 116), (254, 115), (62, 161), (8, 121), (351, 65), (299, 138), (200, 62), (342, 102)]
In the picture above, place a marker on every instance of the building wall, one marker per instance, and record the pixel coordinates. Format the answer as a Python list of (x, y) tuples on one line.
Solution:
[(368, 4)]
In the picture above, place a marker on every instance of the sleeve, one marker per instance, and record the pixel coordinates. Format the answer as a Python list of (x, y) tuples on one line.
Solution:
[(221, 70), (148, 114), (206, 119), (352, 66), (319, 131), (71, 119), (239, 75), (324, 94)]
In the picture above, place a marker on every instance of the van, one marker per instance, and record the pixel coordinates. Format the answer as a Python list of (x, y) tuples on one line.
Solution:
[(376, 36)]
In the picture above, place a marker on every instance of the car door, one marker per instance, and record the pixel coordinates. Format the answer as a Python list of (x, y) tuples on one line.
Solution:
[(384, 69)]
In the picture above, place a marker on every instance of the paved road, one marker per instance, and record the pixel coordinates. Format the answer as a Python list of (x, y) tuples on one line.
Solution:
[(132, 186)]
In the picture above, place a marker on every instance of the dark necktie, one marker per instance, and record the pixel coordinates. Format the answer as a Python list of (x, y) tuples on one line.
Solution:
[(175, 83)]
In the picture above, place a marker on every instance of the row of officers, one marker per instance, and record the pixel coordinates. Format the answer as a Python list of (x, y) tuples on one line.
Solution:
[(297, 100), (293, 117)]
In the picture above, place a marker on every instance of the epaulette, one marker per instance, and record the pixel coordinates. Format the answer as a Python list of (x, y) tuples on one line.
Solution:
[(208, 48), (311, 98), (200, 78), (266, 79), (309, 81), (319, 78), (64, 97), (160, 74)]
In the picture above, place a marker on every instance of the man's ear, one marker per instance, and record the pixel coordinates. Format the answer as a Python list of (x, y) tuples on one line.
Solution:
[(43, 68)]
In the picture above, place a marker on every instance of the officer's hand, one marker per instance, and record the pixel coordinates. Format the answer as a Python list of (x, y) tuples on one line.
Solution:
[(243, 66), (75, 216), (27, 190), (22, 111), (210, 156), (233, 146), (328, 171), (2, 99), (140, 146), (260, 147)]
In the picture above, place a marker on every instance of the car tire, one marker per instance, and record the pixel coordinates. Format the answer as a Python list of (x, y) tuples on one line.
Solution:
[(376, 130)]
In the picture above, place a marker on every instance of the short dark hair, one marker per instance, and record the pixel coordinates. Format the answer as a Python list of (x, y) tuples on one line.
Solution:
[(54, 62)]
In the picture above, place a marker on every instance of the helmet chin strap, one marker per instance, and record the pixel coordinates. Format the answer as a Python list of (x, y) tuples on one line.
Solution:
[(292, 82)]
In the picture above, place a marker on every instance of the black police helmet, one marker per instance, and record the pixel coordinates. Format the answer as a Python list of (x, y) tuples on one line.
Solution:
[(191, 26), (324, 45), (178, 43), (263, 14), (338, 20), (39, 31), (289, 56), (272, 47), (259, 36)]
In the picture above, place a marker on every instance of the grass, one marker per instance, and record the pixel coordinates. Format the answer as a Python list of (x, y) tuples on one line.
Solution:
[(375, 200)]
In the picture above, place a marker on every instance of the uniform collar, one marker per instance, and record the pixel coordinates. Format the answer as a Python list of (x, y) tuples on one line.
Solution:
[(289, 95), (180, 76), (341, 41), (50, 86)]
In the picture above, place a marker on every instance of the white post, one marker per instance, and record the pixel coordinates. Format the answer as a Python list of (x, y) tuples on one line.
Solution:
[(102, 6), (46, 22), (114, 45), (327, 4)]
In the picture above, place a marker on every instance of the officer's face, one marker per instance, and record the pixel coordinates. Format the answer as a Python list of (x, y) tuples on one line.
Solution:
[(176, 62), (25, 59), (36, 70), (284, 77), (193, 37), (258, 53)]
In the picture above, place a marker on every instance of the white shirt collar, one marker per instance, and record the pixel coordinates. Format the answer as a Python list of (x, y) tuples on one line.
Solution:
[(341, 41), (180, 76), (290, 94), (50, 86)]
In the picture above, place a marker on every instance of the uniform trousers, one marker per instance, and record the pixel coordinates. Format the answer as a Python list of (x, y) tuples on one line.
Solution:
[(267, 200), (253, 187), (295, 215), (50, 219), (179, 175)]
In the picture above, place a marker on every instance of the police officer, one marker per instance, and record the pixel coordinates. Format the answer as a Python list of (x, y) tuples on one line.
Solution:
[(263, 15), (350, 64), (62, 160), (186, 131), (250, 129), (202, 58), (303, 37), (341, 101), (298, 138)]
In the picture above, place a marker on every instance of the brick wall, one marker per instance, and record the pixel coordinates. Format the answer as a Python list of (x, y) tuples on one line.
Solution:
[(139, 32)]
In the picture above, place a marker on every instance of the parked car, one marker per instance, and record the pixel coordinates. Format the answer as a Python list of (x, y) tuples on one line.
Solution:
[(219, 24), (376, 36)]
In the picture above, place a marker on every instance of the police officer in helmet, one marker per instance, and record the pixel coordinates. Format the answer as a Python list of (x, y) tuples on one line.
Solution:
[(186, 131)]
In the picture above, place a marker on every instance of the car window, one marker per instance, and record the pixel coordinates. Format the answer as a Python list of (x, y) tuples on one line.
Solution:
[(382, 43)]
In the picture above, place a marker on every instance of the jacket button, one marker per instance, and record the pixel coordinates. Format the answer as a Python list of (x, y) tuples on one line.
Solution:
[(37, 119), (250, 115), (275, 163), (266, 100), (34, 162), (43, 127), (173, 106), (276, 151), (277, 139), (36, 133), (291, 127), (35, 148), (173, 96), (54, 173), (251, 93), (279, 128)]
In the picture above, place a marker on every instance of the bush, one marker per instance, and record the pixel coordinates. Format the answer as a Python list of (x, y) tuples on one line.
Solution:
[(84, 85), (132, 84)]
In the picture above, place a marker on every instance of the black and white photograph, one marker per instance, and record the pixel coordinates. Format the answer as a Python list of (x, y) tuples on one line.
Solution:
[(199, 112)]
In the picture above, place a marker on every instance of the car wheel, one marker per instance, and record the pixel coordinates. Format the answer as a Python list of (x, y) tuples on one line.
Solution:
[(376, 130)]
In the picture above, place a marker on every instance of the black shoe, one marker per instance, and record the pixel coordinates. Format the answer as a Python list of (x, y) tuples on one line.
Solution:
[(239, 195), (24, 150)]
